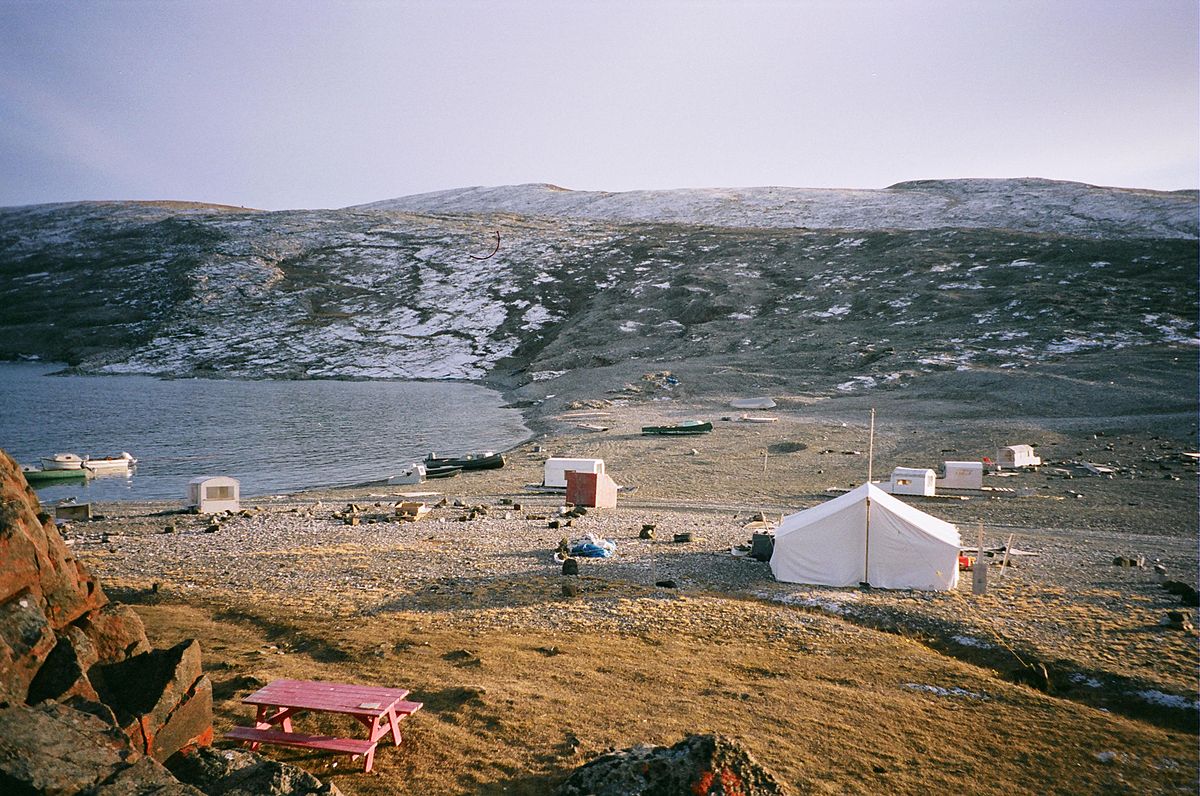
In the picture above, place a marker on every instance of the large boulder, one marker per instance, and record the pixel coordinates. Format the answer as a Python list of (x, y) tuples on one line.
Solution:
[(699, 765), (161, 698), (26, 640), (54, 749), (34, 558), (64, 672), (116, 631), (232, 772)]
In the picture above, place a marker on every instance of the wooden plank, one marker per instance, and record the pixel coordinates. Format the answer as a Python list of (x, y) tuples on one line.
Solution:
[(405, 708), (328, 743)]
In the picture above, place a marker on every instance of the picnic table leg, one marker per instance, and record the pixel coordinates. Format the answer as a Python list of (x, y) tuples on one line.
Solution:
[(370, 760), (263, 721), (395, 722)]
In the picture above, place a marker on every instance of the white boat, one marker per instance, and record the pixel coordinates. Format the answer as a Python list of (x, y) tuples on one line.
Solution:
[(110, 464), (62, 461), (412, 474), (752, 403), (758, 419)]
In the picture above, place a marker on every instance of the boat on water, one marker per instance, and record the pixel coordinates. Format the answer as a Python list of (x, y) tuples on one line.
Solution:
[(37, 476), (680, 429), (102, 465), (468, 461), (62, 461)]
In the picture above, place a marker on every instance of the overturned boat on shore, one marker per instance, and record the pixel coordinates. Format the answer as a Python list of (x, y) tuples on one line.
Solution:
[(468, 461), (682, 428)]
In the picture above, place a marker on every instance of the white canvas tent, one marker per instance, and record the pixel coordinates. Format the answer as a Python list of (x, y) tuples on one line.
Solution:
[(866, 535)]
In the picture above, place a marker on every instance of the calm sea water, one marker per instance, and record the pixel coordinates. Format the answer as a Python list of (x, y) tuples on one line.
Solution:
[(274, 436)]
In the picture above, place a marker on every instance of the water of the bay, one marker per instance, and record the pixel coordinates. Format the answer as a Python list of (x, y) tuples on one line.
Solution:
[(274, 436)]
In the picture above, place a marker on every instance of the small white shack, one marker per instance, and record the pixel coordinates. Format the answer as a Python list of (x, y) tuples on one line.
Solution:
[(213, 494), (1017, 456), (913, 481), (555, 474), (962, 475)]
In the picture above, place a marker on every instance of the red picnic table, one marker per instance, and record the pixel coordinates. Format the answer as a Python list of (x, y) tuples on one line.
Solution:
[(380, 709)]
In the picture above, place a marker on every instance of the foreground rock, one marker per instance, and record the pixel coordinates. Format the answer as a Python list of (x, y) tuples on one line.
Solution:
[(231, 772), (704, 765), (55, 749)]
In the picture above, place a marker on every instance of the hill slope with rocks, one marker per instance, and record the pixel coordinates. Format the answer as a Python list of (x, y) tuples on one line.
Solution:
[(825, 291)]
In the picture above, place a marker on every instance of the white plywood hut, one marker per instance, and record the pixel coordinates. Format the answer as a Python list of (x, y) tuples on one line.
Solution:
[(913, 481), (555, 473), (213, 494), (963, 475), (1017, 456)]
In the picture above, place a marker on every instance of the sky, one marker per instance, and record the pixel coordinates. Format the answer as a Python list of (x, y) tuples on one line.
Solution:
[(302, 104)]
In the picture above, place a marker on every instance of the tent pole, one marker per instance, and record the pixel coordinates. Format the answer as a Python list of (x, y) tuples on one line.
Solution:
[(867, 546), (871, 447), (870, 463)]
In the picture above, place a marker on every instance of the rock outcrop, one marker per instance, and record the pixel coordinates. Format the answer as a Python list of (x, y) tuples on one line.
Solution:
[(699, 765)]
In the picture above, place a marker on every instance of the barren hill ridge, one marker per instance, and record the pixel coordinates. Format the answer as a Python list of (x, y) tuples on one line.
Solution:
[(838, 291)]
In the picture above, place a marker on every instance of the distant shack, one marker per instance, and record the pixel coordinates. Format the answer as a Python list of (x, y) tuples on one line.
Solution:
[(214, 494), (1017, 456)]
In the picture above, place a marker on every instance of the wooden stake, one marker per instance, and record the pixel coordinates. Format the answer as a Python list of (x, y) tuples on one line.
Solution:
[(1007, 549), (764, 461), (979, 571)]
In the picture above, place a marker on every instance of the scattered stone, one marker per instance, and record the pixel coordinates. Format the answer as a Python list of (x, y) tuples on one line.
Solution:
[(234, 772), (686, 536), (665, 584), (570, 589), (213, 527), (1128, 561), (1178, 620), (647, 532), (702, 765), (570, 566)]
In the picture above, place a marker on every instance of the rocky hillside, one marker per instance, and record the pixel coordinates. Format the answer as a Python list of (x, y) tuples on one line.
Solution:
[(838, 291)]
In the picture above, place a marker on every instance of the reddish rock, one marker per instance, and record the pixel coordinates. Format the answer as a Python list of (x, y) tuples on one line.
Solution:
[(116, 631), (35, 558), (162, 698), (703, 765), (64, 672), (26, 638)]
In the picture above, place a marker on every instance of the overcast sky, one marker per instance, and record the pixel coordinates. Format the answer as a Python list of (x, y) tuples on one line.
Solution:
[(321, 104)]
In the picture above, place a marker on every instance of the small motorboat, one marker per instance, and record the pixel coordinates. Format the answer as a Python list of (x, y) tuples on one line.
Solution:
[(758, 419), (591, 427), (62, 461), (102, 465), (37, 476), (469, 461), (411, 474), (683, 428)]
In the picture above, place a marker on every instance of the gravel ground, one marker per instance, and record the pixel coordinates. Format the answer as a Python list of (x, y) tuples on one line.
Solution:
[(1099, 629)]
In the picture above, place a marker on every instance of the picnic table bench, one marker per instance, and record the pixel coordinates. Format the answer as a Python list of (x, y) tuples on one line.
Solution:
[(380, 709)]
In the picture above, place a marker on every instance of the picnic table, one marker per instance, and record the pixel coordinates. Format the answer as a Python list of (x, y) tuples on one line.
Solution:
[(380, 709)]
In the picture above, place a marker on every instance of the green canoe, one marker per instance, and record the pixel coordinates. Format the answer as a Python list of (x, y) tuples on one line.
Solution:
[(686, 427), (38, 477)]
